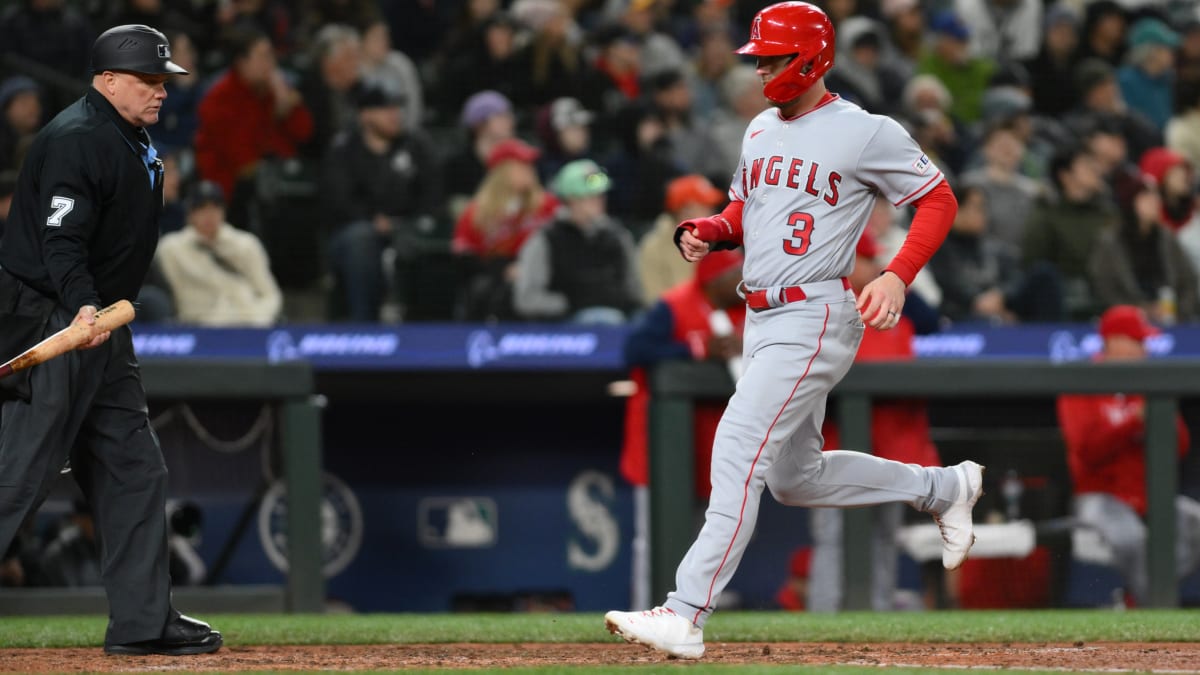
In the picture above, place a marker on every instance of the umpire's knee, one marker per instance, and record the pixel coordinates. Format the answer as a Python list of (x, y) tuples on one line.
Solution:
[(145, 455)]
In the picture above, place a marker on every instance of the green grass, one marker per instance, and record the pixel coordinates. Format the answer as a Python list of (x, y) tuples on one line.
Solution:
[(286, 629)]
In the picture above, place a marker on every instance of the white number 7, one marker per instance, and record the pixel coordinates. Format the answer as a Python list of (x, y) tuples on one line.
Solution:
[(62, 206)]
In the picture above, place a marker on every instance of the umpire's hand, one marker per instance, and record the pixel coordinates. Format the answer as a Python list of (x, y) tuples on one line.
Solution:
[(87, 315)]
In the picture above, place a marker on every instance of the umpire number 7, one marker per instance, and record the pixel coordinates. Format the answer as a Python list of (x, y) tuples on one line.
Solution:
[(62, 206), (802, 227)]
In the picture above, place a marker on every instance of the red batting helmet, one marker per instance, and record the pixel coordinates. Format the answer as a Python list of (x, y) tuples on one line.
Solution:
[(792, 28)]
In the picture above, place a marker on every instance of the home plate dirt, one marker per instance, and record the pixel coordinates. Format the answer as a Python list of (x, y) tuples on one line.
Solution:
[(1108, 657)]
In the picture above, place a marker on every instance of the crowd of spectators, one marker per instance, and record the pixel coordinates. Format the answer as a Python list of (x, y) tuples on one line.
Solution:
[(413, 160)]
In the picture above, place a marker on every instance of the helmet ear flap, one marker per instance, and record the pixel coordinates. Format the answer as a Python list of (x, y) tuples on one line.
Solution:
[(804, 70), (793, 27)]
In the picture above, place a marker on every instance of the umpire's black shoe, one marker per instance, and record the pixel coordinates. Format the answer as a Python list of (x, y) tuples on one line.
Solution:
[(184, 635)]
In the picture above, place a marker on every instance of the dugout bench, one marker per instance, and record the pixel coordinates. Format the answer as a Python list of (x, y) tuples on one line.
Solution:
[(676, 385)]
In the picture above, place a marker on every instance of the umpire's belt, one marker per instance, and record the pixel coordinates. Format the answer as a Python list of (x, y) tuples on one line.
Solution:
[(777, 296)]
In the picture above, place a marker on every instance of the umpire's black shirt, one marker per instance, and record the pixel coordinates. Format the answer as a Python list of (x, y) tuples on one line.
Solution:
[(84, 220)]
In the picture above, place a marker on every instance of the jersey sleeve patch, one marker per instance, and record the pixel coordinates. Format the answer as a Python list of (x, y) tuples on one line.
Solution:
[(922, 164)]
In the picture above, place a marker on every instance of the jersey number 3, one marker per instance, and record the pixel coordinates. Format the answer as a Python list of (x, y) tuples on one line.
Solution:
[(802, 227), (62, 206)]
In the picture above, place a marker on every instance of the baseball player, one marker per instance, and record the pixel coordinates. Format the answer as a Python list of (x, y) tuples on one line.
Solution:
[(82, 235), (799, 200), (1105, 435)]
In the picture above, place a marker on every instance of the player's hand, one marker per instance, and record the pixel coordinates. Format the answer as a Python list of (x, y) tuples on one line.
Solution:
[(881, 301), (692, 248), (87, 316)]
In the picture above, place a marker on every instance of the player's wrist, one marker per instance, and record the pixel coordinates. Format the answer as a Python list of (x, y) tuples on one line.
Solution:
[(896, 274), (708, 229)]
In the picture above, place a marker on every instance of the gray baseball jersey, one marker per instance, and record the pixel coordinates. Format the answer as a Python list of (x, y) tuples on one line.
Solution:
[(809, 184)]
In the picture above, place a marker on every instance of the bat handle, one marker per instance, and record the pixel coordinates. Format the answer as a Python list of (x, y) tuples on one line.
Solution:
[(6, 370)]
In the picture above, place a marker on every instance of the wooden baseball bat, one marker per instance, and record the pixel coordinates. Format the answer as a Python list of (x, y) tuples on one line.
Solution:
[(72, 337)]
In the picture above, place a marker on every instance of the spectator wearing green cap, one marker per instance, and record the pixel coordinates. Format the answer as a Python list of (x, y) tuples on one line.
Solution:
[(581, 267), (1147, 78)]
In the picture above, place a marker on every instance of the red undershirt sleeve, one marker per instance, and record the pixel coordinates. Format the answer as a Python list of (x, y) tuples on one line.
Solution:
[(935, 214), (733, 215)]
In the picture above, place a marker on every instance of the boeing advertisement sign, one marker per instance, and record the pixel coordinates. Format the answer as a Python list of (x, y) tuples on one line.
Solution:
[(569, 347)]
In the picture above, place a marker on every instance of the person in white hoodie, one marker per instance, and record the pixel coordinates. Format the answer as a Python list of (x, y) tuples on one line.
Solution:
[(218, 275)]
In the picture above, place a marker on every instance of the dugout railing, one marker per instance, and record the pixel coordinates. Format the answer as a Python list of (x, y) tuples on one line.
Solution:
[(676, 386), (290, 386)]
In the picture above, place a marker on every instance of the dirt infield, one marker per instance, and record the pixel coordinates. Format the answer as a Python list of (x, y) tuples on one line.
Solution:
[(1099, 656)]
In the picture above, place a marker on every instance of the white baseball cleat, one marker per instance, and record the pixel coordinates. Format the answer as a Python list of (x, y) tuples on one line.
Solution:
[(659, 628), (958, 530)]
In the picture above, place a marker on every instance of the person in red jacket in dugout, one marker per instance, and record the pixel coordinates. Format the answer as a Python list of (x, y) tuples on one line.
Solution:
[(701, 318), (1106, 455)]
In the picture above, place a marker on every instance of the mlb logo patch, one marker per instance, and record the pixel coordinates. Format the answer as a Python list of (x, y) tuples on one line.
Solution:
[(164, 52), (922, 164)]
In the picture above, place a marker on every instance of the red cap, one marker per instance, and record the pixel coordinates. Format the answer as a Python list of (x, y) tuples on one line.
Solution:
[(716, 263), (867, 246), (692, 188), (513, 148), (1155, 162), (1126, 320)]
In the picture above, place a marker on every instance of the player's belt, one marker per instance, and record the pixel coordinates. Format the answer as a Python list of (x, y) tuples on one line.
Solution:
[(777, 296)]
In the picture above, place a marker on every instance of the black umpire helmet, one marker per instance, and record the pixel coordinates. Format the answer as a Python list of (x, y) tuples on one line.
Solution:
[(134, 48)]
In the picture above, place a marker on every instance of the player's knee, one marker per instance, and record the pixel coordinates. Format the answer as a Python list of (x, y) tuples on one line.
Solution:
[(786, 494), (1126, 543)]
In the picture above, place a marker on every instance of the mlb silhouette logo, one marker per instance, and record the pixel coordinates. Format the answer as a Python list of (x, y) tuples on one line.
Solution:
[(164, 51), (755, 30)]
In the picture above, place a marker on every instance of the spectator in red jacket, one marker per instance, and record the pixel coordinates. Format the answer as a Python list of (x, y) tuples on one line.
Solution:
[(1106, 454), (510, 205), (679, 326), (250, 113)]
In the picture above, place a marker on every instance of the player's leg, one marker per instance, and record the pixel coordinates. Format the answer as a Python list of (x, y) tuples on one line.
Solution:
[(825, 574), (1187, 541), (850, 479), (885, 556), (803, 475), (640, 548), (847, 479), (1124, 532), (782, 385), (825, 579), (776, 392)]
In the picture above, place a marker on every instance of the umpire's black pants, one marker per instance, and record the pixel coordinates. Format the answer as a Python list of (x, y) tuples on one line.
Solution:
[(91, 404)]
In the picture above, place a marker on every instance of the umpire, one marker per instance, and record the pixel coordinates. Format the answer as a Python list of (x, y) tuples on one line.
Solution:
[(81, 235)]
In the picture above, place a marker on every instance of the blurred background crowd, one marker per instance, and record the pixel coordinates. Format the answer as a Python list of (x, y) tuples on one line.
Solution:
[(507, 160)]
